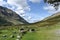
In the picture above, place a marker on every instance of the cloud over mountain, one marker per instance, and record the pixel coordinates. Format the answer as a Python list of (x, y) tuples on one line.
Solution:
[(35, 1), (20, 6), (51, 8)]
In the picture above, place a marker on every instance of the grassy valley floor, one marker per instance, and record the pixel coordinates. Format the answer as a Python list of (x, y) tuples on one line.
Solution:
[(41, 33)]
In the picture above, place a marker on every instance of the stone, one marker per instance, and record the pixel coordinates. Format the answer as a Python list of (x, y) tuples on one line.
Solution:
[(14, 32), (0, 32), (18, 36), (12, 36), (21, 29), (4, 35), (32, 30), (17, 39)]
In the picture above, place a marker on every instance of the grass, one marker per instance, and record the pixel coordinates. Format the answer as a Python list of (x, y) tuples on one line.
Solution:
[(41, 33), (8, 32)]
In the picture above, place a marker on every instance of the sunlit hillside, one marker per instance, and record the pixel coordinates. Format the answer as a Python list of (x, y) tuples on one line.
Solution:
[(8, 17), (47, 29)]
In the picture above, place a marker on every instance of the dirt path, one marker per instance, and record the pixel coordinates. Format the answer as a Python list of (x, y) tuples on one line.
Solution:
[(55, 34)]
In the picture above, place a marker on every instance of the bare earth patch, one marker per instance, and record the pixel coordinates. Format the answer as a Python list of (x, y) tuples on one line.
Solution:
[(56, 34)]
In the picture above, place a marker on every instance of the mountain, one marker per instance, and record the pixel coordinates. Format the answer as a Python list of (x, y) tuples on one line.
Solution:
[(8, 17), (49, 21)]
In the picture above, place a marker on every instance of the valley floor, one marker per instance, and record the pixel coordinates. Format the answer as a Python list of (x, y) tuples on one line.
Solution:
[(41, 33)]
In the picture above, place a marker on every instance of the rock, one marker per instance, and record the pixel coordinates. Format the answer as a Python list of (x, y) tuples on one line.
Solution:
[(17, 39), (0, 32), (4, 35), (32, 30), (18, 36), (14, 32), (12, 36), (21, 29)]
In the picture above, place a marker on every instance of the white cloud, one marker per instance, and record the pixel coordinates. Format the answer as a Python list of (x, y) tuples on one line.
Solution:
[(29, 17), (19, 6), (51, 9), (22, 3), (35, 1), (1, 0)]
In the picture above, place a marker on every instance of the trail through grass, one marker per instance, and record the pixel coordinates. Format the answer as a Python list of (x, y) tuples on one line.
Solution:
[(44, 33), (41, 33)]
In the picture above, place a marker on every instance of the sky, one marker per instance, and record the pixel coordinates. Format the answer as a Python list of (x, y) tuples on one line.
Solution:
[(31, 10)]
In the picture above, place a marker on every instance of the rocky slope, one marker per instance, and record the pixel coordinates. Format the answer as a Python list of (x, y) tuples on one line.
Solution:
[(8, 17)]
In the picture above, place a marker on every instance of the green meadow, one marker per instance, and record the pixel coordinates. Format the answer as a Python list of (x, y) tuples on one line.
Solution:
[(40, 33)]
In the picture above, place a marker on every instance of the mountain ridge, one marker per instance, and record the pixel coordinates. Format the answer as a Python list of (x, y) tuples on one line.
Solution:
[(49, 21), (9, 16)]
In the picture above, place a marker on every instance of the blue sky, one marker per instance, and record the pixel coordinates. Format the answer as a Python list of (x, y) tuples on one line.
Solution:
[(37, 11), (30, 10)]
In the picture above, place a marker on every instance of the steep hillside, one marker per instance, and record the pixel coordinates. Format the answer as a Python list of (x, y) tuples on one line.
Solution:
[(47, 29), (49, 21), (8, 17)]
